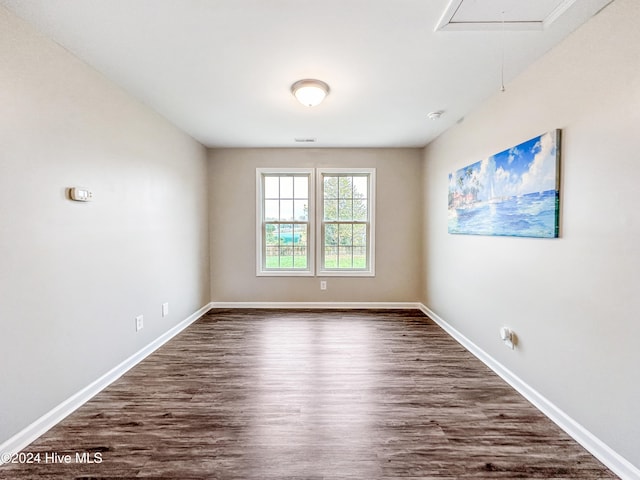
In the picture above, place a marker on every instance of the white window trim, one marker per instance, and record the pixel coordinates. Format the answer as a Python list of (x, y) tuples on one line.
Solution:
[(260, 248), (371, 252)]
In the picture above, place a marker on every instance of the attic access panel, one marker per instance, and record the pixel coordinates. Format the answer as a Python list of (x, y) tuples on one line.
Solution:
[(502, 14)]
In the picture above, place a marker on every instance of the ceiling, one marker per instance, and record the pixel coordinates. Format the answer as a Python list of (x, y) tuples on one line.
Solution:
[(221, 70)]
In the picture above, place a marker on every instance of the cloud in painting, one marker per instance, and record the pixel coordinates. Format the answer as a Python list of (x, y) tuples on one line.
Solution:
[(513, 154), (541, 175), (528, 168)]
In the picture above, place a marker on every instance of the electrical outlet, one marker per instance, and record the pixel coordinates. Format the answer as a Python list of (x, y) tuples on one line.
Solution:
[(508, 337), (139, 322), (323, 284), (165, 309)]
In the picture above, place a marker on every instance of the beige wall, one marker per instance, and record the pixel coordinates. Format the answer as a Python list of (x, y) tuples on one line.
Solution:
[(73, 276), (573, 301), (232, 187)]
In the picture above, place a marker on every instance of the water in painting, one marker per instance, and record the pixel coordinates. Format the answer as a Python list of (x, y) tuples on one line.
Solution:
[(514, 193)]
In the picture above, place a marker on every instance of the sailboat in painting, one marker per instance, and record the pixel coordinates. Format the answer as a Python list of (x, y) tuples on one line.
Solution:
[(515, 192)]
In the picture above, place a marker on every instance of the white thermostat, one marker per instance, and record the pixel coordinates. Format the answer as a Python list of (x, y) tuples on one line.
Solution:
[(80, 194)]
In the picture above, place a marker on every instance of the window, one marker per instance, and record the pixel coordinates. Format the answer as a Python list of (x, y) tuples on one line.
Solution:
[(285, 231), (346, 219), (288, 222)]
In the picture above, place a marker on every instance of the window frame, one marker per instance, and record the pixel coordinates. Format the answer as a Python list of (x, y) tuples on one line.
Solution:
[(370, 173), (261, 269)]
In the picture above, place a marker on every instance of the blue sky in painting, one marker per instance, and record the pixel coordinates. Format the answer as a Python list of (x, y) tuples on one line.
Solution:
[(517, 160), (527, 168)]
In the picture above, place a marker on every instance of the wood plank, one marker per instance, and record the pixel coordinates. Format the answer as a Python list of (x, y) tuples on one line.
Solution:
[(307, 394)]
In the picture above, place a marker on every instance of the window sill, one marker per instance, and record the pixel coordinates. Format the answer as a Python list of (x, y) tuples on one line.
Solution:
[(287, 273), (345, 273)]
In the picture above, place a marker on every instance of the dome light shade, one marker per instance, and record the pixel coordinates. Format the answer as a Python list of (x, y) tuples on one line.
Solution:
[(310, 92)]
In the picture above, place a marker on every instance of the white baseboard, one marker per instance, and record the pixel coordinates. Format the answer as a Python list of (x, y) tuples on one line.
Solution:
[(614, 461), (321, 305), (22, 439)]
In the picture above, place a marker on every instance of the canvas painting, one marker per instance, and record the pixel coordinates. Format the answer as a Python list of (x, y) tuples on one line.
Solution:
[(515, 192)]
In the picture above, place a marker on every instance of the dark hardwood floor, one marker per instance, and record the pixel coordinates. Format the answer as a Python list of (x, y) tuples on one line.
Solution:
[(310, 395)]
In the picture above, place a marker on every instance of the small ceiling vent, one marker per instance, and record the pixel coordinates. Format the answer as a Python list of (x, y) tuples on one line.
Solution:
[(305, 140), (512, 15)]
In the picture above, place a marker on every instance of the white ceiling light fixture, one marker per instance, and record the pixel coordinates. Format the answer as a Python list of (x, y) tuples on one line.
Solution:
[(310, 92)]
